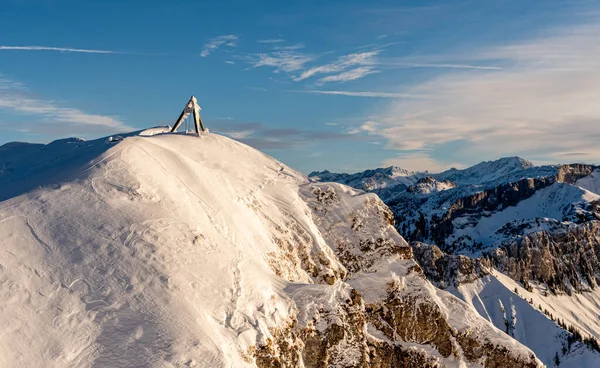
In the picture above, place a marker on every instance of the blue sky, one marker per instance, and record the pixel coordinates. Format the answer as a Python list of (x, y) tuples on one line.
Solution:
[(339, 85)]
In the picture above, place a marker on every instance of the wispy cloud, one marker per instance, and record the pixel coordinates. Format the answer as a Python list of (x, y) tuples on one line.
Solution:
[(442, 66), (371, 94), (58, 49), (544, 106), (349, 75), (214, 43), (369, 127), (341, 64), (297, 46), (271, 40), (419, 162), (265, 137), (14, 100), (287, 61)]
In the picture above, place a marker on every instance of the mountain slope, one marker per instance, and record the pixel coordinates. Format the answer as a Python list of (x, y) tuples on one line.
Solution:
[(171, 250), (494, 298), (559, 201), (590, 182), (532, 224)]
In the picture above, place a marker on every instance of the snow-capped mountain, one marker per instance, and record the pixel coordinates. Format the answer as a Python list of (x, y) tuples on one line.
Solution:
[(170, 250), (384, 181), (590, 182), (468, 210), (534, 237), (491, 171)]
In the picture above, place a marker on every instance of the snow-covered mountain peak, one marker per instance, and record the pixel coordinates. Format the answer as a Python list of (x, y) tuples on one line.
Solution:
[(429, 185), (173, 250), (383, 179), (398, 171), (487, 171), (513, 162)]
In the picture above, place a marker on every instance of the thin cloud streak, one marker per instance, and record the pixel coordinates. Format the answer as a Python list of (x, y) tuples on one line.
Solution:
[(346, 68), (59, 49), (272, 40), (362, 94), (15, 101), (341, 64), (286, 61), (265, 137), (297, 46), (348, 75), (449, 66), (215, 43)]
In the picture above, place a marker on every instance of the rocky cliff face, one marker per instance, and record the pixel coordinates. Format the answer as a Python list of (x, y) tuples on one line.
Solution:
[(383, 312), (442, 218), (476, 205), (566, 260), (445, 270), (571, 173)]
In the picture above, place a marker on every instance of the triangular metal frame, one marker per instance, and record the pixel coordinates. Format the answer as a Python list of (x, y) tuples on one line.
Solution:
[(190, 107)]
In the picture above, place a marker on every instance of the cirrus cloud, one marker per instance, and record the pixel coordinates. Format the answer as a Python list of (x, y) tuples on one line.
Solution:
[(53, 118), (543, 104), (214, 43)]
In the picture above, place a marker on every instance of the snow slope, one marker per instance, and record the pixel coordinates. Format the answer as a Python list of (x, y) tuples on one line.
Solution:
[(111, 268), (172, 250), (590, 182), (553, 202), (494, 298)]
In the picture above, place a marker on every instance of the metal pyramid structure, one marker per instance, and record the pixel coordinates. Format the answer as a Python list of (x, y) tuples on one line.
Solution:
[(190, 107)]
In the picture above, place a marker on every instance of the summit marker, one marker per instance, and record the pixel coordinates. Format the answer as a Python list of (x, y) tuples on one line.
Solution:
[(190, 107)]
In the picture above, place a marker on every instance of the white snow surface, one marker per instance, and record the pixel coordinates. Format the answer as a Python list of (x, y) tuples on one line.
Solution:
[(528, 324), (552, 202), (151, 256), (591, 182), (156, 130), (162, 251)]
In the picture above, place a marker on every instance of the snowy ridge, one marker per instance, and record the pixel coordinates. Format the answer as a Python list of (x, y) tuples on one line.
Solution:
[(172, 250), (387, 182), (487, 171), (378, 180), (590, 182)]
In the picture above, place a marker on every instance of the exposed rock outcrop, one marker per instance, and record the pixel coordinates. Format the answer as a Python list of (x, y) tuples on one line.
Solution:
[(565, 260), (384, 313), (445, 270), (573, 172)]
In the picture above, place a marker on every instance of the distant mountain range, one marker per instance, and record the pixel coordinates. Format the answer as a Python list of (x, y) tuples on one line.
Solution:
[(508, 237), (451, 208)]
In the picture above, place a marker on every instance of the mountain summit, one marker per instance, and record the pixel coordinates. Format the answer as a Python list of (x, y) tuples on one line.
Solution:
[(175, 251)]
